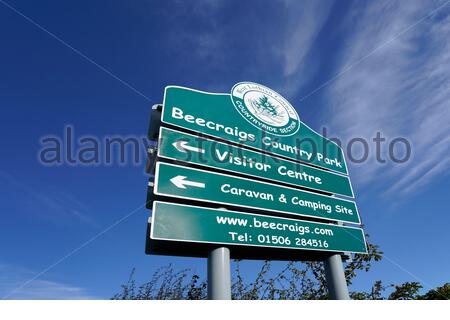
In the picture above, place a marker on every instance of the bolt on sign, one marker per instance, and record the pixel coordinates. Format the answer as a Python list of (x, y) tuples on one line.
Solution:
[(280, 182)]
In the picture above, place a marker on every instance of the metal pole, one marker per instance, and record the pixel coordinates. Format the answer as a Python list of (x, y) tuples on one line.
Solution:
[(335, 276), (219, 276)]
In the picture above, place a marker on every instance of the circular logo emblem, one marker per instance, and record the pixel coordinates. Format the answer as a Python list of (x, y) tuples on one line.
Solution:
[(265, 109)]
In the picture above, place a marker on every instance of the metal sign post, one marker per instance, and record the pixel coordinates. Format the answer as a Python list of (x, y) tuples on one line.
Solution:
[(335, 276), (248, 151), (219, 275)]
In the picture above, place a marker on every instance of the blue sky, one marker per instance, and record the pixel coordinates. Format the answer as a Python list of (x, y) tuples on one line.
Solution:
[(353, 67)]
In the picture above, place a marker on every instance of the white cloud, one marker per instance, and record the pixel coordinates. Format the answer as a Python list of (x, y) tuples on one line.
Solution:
[(46, 202), (304, 21), (400, 90), (269, 43), (13, 278)]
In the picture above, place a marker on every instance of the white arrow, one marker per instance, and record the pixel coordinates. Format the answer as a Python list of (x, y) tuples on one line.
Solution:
[(181, 182), (183, 147)]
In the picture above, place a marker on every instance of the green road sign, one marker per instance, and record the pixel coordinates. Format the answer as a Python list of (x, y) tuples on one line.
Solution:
[(254, 116), (194, 184), (213, 154), (182, 223)]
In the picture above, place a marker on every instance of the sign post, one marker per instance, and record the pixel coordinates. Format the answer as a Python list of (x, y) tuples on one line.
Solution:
[(219, 275), (255, 155), (335, 276)]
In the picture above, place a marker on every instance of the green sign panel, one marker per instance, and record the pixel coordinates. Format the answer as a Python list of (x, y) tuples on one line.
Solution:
[(213, 154), (253, 116), (188, 183), (175, 222)]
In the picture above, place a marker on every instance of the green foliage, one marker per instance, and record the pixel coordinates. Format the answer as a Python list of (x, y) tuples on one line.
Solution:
[(440, 293), (363, 262), (375, 293), (297, 280), (406, 291), (165, 284)]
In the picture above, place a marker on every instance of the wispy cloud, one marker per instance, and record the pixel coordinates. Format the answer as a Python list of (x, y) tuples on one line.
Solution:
[(270, 45), (12, 278), (46, 202), (206, 43), (402, 90), (304, 22)]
